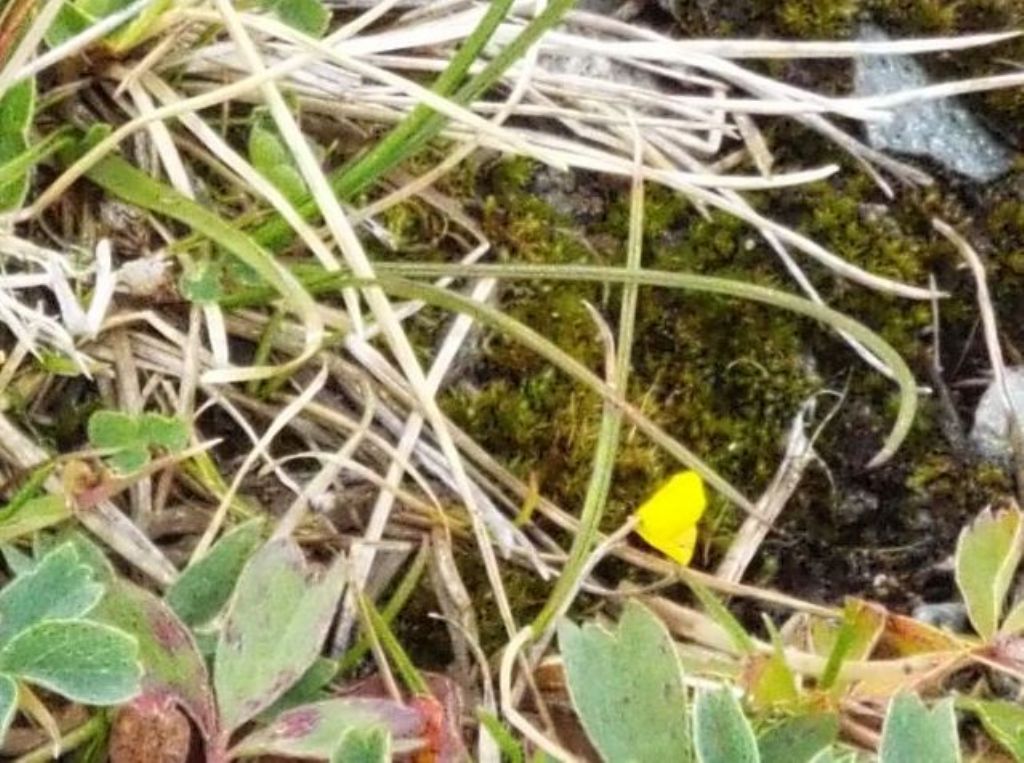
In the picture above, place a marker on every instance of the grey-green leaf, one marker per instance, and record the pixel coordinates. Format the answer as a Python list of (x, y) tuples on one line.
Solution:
[(627, 687), (987, 556), (201, 591), (912, 733), (8, 703), (171, 662), (275, 627), (58, 587), (86, 662), (721, 732), (798, 739), (313, 731), (364, 745)]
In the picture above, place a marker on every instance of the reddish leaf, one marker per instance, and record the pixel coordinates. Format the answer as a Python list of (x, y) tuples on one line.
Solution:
[(172, 665)]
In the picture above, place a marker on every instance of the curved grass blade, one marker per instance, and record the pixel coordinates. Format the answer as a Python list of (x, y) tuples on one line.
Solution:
[(121, 179)]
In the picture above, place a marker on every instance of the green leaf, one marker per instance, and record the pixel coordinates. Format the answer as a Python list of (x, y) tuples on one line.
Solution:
[(627, 687), (276, 624), (721, 733), (987, 556), (202, 285), (798, 739), (313, 731), (511, 749), (171, 662), (132, 436), (771, 682), (722, 616), (309, 16), (165, 432), (364, 745), (1004, 722), (310, 688), (83, 661), (17, 107), (8, 704), (78, 15), (202, 590), (58, 587), (912, 733), (271, 157), (113, 429), (34, 515)]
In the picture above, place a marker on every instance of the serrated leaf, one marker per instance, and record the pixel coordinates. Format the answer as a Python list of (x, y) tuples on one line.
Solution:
[(276, 624), (721, 732), (1004, 722), (201, 591), (8, 703), (171, 662), (798, 739), (58, 587), (271, 157), (367, 745), (912, 733), (83, 661), (987, 555), (313, 731), (627, 687)]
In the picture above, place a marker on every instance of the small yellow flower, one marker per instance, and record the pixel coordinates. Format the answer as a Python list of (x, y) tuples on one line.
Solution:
[(668, 520)]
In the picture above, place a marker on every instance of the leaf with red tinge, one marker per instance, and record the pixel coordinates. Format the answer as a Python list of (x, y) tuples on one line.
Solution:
[(172, 665), (313, 731), (150, 729), (276, 624)]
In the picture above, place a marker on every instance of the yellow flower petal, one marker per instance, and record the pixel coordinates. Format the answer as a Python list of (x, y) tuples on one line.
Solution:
[(668, 520)]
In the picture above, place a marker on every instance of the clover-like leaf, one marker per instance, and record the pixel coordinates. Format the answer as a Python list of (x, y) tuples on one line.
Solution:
[(314, 731), (912, 733), (987, 555), (275, 627), (59, 586), (83, 661), (130, 437), (202, 590), (163, 431), (627, 686), (721, 732)]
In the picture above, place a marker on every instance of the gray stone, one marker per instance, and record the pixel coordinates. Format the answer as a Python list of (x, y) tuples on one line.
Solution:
[(942, 129), (990, 433)]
